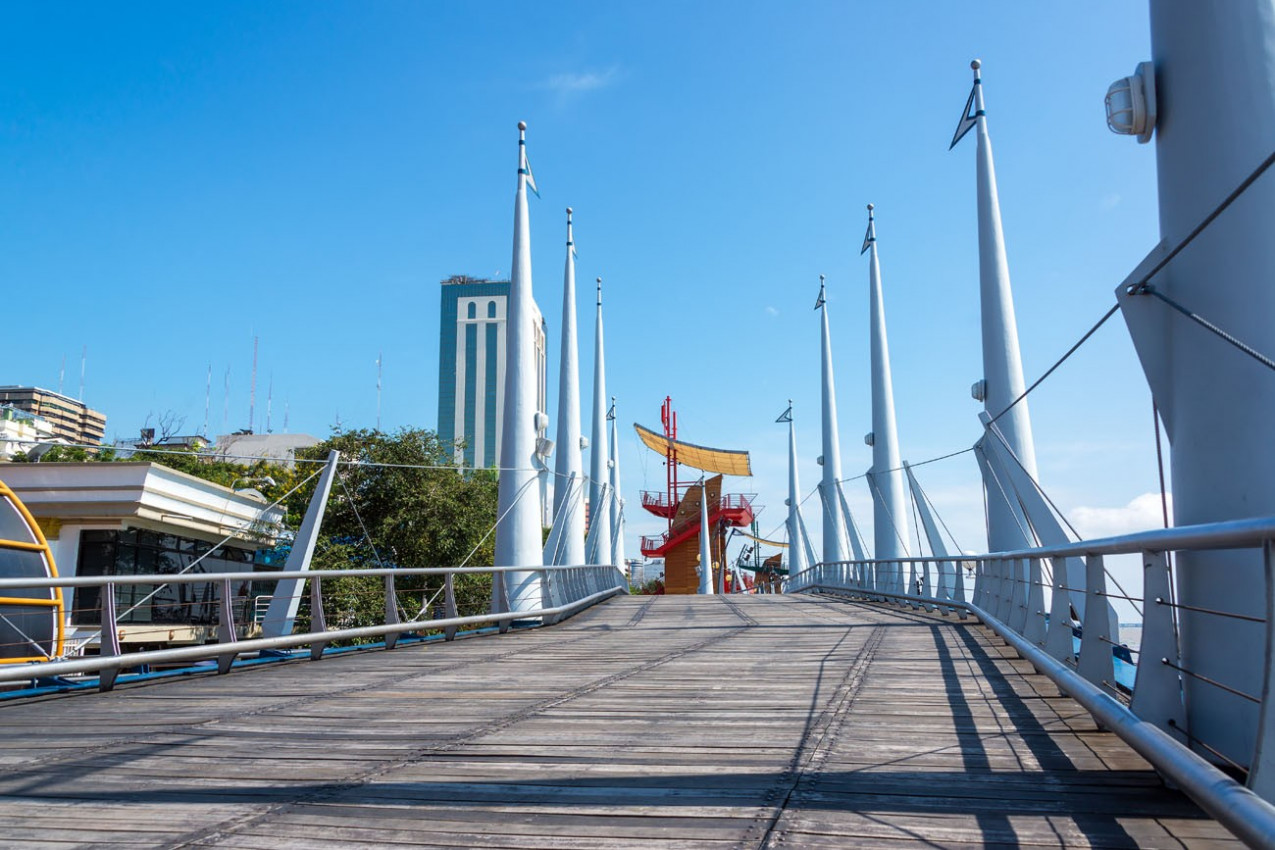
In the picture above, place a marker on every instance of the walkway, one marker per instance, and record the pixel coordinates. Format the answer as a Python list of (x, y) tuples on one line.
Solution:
[(665, 722)]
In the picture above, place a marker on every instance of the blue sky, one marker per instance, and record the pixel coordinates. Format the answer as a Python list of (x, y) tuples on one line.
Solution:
[(178, 178)]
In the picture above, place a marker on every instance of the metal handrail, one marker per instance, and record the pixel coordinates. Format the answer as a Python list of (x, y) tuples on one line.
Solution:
[(270, 575), (583, 585), (1008, 599)]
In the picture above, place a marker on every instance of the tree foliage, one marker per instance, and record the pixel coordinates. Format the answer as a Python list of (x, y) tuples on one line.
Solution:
[(399, 501)]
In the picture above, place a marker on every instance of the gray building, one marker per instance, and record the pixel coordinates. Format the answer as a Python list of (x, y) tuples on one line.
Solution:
[(471, 367)]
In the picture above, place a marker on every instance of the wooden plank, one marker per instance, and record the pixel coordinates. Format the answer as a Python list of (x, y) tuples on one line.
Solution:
[(707, 721)]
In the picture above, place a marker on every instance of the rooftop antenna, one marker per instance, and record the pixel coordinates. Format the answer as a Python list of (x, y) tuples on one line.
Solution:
[(62, 375), (286, 407), (269, 404), (252, 387), (84, 357), (207, 401), (378, 390)]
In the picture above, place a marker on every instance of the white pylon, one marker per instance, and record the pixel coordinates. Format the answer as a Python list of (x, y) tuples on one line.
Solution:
[(518, 531), (797, 543), (568, 488), (599, 510), (834, 527), (705, 543), (1213, 85), (890, 518), (617, 503), (1002, 362)]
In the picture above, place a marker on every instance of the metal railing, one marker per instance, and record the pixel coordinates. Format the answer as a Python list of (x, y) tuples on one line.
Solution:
[(1053, 605), (564, 591)]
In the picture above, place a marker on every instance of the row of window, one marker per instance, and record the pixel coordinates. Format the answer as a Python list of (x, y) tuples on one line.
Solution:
[(140, 552)]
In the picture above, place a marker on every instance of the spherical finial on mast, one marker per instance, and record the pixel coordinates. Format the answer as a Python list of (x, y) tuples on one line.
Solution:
[(522, 126), (568, 210), (821, 280), (871, 207), (976, 64)]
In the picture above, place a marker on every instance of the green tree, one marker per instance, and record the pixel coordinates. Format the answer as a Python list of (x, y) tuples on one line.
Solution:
[(399, 500)]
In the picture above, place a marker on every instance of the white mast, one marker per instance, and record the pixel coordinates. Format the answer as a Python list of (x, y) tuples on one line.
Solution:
[(886, 476), (518, 530), (617, 504), (705, 543), (1002, 362), (1213, 84), (797, 542), (834, 527), (568, 488), (599, 511)]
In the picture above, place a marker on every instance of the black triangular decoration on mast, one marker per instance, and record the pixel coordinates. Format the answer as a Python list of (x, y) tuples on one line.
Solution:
[(968, 118), (871, 235), (786, 416)]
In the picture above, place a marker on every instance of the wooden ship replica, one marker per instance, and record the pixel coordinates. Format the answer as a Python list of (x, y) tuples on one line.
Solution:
[(680, 505)]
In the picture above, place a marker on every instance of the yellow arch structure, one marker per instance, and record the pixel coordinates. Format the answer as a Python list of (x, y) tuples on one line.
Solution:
[(24, 553)]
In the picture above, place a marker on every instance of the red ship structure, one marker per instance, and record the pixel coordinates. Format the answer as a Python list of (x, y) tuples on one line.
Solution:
[(680, 505)]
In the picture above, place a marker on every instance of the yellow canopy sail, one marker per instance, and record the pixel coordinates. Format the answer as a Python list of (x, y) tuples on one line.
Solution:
[(720, 461), (761, 539)]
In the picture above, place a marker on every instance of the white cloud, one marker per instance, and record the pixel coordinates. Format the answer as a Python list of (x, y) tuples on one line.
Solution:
[(1110, 202), (577, 83), (772, 311), (1143, 513)]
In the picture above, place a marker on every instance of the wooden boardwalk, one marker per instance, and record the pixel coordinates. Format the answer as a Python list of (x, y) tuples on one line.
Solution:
[(665, 722)]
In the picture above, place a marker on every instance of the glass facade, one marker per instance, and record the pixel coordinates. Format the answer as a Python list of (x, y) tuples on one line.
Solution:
[(139, 552)]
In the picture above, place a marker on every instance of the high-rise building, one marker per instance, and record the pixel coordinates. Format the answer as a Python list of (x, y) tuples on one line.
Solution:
[(71, 419), (471, 367)]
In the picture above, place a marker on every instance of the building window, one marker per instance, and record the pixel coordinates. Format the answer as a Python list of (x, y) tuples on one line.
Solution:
[(491, 309), (473, 310), (139, 552)]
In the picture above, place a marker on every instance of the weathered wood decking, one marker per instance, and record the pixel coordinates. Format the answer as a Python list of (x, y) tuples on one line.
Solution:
[(690, 722)]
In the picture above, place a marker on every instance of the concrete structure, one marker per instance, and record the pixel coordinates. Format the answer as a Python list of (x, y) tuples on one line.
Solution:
[(519, 514), (1213, 89), (20, 431), (835, 546), (885, 478), (122, 518), (471, 366), (72, 420), (568, 483), (600, 552)]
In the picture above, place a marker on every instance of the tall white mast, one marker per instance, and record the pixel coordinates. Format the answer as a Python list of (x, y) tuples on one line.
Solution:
[(797, 543), (834, 527), (568, 486), (518, 530), (1213, 84), (599, 478), (705, 543), (1002, 362), (617, 504), (886, 476)]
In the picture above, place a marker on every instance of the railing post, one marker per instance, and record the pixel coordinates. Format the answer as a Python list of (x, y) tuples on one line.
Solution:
[(547, 597), (449, 606), (391, 611), (1018, 595), (1004, 590), (1261, 778), (1034, 627), (500, 600), (109, 641), (1157, 690), (318, 623), (1095, 642), (226, 628), (1059, 641)]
